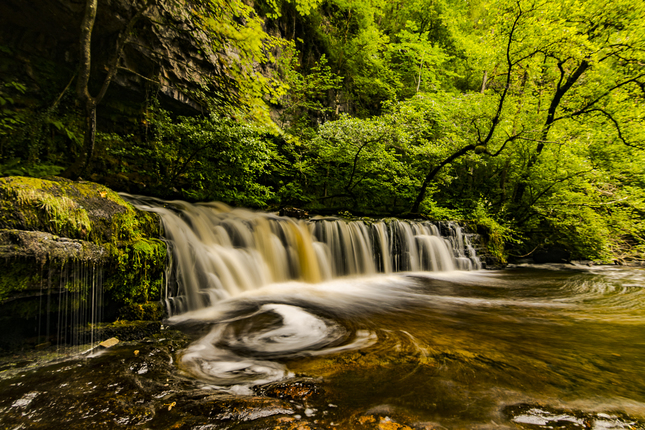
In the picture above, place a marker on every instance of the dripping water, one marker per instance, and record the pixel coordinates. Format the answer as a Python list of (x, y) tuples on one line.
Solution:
[(62, 311)]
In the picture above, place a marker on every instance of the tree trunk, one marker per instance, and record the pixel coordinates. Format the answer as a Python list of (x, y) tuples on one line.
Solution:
[(431, 175), (85, 67), (550, 119), (90, 134)]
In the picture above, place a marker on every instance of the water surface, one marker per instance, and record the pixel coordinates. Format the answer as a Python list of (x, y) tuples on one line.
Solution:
[(520, 348)]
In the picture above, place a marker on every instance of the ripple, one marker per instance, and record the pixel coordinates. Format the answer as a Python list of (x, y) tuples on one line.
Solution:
[(278, 330), (240, 351)]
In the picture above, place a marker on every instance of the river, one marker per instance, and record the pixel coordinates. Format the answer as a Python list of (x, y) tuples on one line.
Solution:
[(559, 346)]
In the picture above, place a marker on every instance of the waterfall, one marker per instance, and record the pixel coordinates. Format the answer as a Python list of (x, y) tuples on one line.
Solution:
[(61, 310), (219, 252)]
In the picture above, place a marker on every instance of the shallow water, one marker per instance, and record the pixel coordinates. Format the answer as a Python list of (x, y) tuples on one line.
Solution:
[(562, 347)]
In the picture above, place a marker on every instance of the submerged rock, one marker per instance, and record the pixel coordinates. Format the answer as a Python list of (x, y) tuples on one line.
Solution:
[(238, 408), (532, 416), (301, 389)]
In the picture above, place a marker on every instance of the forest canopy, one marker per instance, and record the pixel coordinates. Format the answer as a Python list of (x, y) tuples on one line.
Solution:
[(524, 118)]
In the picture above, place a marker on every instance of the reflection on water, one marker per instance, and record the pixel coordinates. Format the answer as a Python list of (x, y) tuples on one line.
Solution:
[(440, 344), (520, 348)]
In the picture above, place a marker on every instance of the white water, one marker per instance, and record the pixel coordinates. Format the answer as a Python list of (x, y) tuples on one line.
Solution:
[(219, 252)]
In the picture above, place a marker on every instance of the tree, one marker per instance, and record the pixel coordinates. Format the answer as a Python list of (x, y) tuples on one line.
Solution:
[(85, 64), (563, 63), (480, 145), (227, 33), (589, 73)]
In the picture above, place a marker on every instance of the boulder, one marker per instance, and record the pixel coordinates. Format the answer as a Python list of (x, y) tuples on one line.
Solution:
[(67, 246)]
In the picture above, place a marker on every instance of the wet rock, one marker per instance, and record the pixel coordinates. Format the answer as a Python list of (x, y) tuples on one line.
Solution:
[(378, 422), (301, 389), (49, 29), (380, 410), (41, 246), (294, 213), (59, 236), (124, 330), (109, 343), (237, 408), (533, 416)]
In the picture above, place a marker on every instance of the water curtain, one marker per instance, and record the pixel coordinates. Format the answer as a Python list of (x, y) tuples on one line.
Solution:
[(219, 252)]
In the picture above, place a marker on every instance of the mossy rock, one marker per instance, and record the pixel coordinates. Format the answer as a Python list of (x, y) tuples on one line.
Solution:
[(43, 247), (151, 311), (75, 210), (57, 235)]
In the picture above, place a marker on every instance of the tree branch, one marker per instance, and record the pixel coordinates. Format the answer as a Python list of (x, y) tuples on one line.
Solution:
[(617, 125), (585, 109)]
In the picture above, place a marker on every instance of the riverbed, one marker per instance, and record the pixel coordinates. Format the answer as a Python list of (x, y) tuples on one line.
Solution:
[(559, 346)]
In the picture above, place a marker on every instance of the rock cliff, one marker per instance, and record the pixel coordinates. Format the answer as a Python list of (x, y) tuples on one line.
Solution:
[(164, 50), (66, 245)]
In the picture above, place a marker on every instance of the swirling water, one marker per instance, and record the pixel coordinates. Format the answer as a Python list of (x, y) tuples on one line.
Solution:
[(435, 341), (389, 343), (559, 347)]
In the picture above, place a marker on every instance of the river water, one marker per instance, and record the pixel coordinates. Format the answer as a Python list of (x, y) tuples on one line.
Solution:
[(559, 346), (518, 348)]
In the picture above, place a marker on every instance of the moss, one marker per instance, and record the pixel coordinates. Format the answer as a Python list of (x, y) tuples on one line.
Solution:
[(58, 221), (151, 311), (138, 270), (17, 277), (76, 210)]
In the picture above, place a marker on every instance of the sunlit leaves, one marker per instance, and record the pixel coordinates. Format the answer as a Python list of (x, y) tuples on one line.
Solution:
[(209, 158), (232, 35)]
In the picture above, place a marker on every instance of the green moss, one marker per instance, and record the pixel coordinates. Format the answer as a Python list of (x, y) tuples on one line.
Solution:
[(138, 270), (132, 225), (16, 277), (133, 258), (151, 311)]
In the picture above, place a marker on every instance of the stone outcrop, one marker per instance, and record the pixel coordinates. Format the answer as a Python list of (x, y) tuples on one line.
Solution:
[(54, 233), (166, 49)]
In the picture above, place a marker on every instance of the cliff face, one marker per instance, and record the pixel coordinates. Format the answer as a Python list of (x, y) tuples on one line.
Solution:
[(164, 51)]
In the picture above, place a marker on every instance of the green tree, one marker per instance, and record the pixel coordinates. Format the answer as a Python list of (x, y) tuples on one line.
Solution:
[(88, 101)]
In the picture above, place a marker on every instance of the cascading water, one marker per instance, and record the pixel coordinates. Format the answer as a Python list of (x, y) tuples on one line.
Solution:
[(219, 252), (271, 287), (391, 336)]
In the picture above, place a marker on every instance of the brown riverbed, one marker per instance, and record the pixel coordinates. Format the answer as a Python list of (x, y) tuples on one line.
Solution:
[(520, 348)]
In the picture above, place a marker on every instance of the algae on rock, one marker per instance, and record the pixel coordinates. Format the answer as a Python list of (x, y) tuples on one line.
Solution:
[(46, 224)]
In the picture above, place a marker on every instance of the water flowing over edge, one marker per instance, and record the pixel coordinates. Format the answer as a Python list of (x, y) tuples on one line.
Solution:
[(219, 252)]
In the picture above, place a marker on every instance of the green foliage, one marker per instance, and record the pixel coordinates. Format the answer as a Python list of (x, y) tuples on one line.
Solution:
[(433, 210), (307, 96), (15, 167), (10, 119), (496, 235), (138, 271), (198, 158), (524, 117), (357, 163), (223, 27), (39, 125)]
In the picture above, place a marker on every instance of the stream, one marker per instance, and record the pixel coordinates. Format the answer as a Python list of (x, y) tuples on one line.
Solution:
[(558, 347), (277, 323)]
